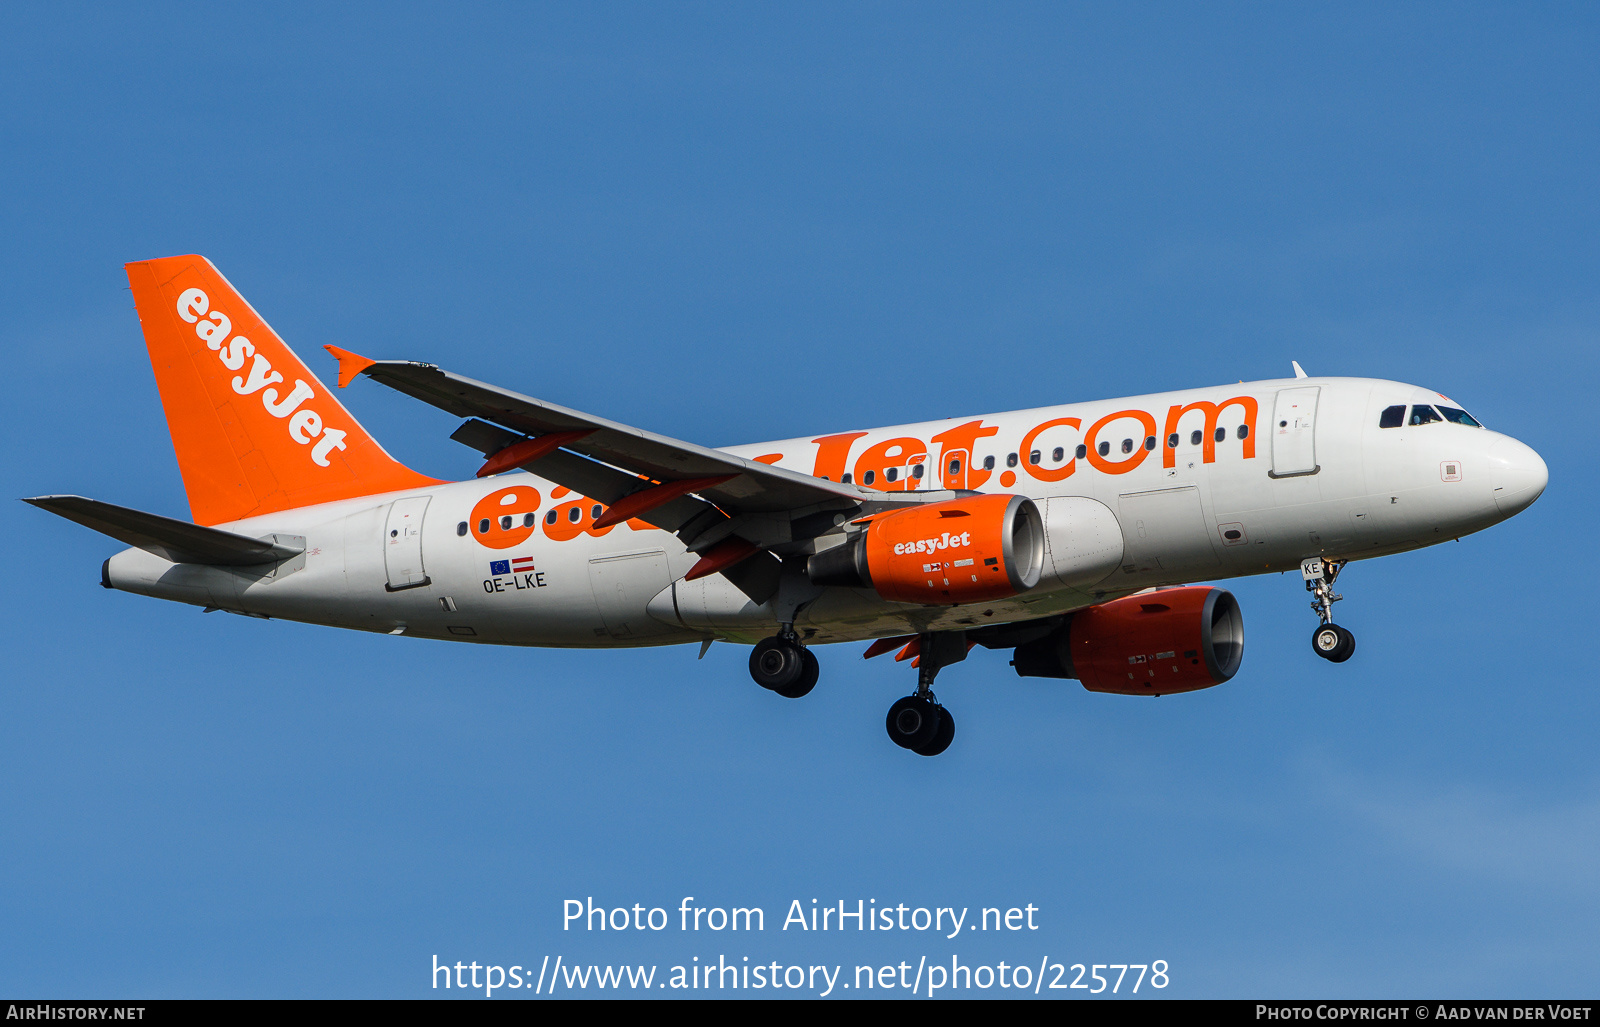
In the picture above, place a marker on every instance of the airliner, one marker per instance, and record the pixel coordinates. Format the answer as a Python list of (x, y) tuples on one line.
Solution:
[(1071, 535)]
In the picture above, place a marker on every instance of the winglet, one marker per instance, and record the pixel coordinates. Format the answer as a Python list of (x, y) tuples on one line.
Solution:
[(350, 364), (1299, 372)]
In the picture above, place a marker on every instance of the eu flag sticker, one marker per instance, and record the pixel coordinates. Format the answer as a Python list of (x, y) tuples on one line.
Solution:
[(499, 566)]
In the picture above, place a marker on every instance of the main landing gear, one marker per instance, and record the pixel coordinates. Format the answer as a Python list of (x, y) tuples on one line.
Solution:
[(918, 722), (1329, 641), (781, 664)]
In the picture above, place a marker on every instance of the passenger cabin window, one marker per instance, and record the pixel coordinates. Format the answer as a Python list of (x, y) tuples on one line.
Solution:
[(1011, 459), (1149, 443), (845, 478), (1244, 431), (1220, 434), (1058, 454), (527, 521), (505, 523), (461, 529), (483, 526), (595, 511), (1195, 437), (1127, 445), (955, 467), (891, 474), (575, 514), (1392, 417), (988, 463), (1105, 448), (1033, 458), (1082, 451), (916, 471), (1424, 415), (869, 477), (1456, 415), (1172, 441), (550, 518)]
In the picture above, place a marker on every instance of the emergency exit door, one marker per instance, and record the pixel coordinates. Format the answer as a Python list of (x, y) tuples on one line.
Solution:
[(402, 544), (1294, 432), (955, 468)]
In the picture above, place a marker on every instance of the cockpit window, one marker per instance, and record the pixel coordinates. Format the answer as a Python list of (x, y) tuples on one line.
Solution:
[(1456, 415), (1392, 417), (1424, 415)]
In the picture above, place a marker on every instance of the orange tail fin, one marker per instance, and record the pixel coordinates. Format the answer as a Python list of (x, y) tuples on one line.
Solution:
[(254, 429)]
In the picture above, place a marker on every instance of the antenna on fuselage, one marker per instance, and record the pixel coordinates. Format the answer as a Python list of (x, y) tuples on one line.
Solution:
[(1299, 372)]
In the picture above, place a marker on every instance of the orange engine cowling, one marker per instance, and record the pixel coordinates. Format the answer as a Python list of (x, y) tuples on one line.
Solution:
[(959, 551), (1155, 643)]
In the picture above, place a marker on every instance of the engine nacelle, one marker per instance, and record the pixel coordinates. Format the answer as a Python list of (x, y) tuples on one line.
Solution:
[(1155, 643), (959, 551)]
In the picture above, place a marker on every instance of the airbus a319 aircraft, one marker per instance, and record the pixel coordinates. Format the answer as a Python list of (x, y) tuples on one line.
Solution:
[(1065, 533)]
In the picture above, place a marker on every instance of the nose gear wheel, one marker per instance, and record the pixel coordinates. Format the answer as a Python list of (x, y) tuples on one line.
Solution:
[(1329, 641), (1333, 643)]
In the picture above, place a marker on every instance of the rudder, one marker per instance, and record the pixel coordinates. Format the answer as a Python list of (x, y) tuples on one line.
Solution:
[(255, 431)]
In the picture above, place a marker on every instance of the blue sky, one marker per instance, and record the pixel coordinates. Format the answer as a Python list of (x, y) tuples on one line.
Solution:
[(741, 222)]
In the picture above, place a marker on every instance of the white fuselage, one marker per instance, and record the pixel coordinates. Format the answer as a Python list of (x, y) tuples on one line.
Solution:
[(1311, 474)]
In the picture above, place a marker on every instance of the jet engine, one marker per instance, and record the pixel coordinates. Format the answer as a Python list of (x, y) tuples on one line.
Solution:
[(1154, 643), (959, 551)]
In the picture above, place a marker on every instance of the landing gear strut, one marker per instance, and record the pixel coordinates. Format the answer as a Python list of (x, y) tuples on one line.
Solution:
[(1329, 641), (917, 722), (781, 664)]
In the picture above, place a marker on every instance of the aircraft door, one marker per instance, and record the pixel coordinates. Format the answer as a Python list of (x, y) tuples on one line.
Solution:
[(623, 586), (1294, 417), (912, 481), (402, 544)]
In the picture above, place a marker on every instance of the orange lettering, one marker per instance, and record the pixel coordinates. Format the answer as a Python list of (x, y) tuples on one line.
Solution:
[(566, 526), (832, 453), (963, 439), (1066, 469), (1099, 462), (505, 518), (1212, 411), (895, 453)]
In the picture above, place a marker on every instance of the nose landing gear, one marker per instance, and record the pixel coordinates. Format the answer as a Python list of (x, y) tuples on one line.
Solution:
[(917, 722), (1329, 641)]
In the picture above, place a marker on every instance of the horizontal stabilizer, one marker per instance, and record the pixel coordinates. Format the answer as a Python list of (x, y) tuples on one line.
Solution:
[(166, 537)]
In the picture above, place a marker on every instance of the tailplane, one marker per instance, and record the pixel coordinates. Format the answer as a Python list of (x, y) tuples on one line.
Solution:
[(255, 431)]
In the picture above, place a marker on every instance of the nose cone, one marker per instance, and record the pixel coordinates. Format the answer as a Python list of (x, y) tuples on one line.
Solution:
[(1516, 474)]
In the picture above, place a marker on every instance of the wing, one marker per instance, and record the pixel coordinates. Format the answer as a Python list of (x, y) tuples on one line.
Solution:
[(711, 499)]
